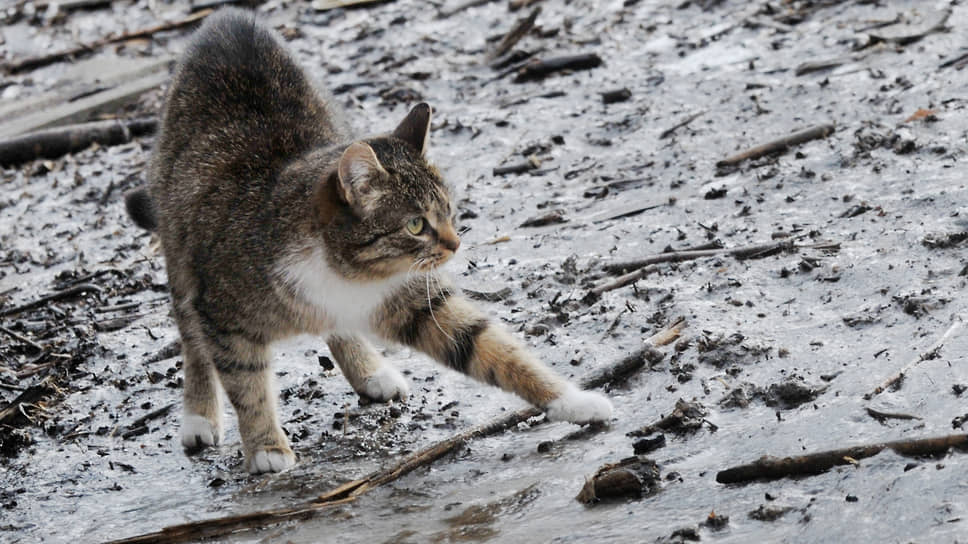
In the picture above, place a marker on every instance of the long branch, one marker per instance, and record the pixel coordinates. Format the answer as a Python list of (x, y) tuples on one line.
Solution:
[(55, 142), (772, 468), (742, 252), (30, 63), (69, 292), (349, 491)]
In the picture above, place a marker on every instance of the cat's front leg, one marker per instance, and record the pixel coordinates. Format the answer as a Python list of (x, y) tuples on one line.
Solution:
[(246, 375), (454, 332), (368, 373)]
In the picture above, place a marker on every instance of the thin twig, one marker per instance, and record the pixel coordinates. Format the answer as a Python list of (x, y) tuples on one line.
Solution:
[(930, 353), (881, 416), (771, 468), (620, 282), (69, 292), (671, 130), (518, 31), (781, 144), (21, 338), (349, 491)]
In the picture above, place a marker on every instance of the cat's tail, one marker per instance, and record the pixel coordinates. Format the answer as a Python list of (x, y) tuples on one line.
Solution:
[(141, 208)]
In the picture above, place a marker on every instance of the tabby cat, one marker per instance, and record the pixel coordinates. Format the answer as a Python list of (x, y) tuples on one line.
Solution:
[(275, 221)]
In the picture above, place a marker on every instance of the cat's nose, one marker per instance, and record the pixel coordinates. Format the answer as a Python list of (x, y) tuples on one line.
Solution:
[(450, 243), (448, 237)]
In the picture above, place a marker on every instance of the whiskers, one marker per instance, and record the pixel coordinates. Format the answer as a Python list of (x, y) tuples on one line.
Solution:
[(432, 274)]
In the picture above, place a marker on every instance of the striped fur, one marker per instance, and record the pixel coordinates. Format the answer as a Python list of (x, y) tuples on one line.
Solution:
[(450, 329), (276, 221)]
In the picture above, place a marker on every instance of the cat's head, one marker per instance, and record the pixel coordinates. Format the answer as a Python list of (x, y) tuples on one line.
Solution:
[(397, 214)]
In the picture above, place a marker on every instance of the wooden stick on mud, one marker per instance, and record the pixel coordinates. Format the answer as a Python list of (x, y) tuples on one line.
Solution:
[(742, 252), (348, 492), (21, 338), (782, 144), (69, 292), (772, 468), (671, 130), (644, 267), (323, 5), (518, 31), (931, 353), (541, 68), (31, 395), (30, 63), (55, 142), (70, 5), (514, 5), (623, 280)]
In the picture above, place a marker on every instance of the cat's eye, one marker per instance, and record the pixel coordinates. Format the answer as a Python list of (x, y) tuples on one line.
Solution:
[(416, 226)]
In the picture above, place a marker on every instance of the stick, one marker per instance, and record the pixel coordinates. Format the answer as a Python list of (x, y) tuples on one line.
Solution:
[(616, 95), (69, 292), (541, 68), (881, 416), (618, 283), (903, 33), (323, 5), (671, 130), (348, 492), (140, 425), (776, 146), (31, 395), (462, 7), (825, 64), (68, 5), (518, 31), (519, 168), (931, 353), (514, 5), (771, 468), (769, 23), (958, 62), (30, 63), (744, 252), (21, 338), (53, 143)]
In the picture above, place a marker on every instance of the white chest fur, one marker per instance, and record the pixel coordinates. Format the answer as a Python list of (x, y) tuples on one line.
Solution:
[(340, 303)]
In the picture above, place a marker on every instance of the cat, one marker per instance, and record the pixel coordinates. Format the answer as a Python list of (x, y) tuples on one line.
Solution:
[(275, 220)]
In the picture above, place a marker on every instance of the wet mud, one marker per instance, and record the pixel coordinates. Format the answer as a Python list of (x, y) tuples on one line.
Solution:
[(857, 311)]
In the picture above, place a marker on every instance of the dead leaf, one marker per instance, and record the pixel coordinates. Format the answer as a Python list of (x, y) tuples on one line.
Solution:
[(920, 115)]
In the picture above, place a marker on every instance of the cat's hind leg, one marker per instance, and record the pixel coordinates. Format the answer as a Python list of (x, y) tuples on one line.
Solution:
[(202, 416), (368, 373), (245, 372)]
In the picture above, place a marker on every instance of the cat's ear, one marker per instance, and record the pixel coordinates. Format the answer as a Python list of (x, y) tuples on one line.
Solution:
[(415, 128), (357, 167)]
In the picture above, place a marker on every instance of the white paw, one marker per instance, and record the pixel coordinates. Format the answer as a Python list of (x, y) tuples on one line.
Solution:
[(579, 406), (385, 384), (198, 432), (274, 460)]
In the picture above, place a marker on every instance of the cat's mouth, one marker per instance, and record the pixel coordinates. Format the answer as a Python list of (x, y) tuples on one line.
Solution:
[(436, 260)]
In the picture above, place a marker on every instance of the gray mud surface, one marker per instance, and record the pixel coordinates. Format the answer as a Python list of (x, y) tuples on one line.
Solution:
[(779, 350)]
